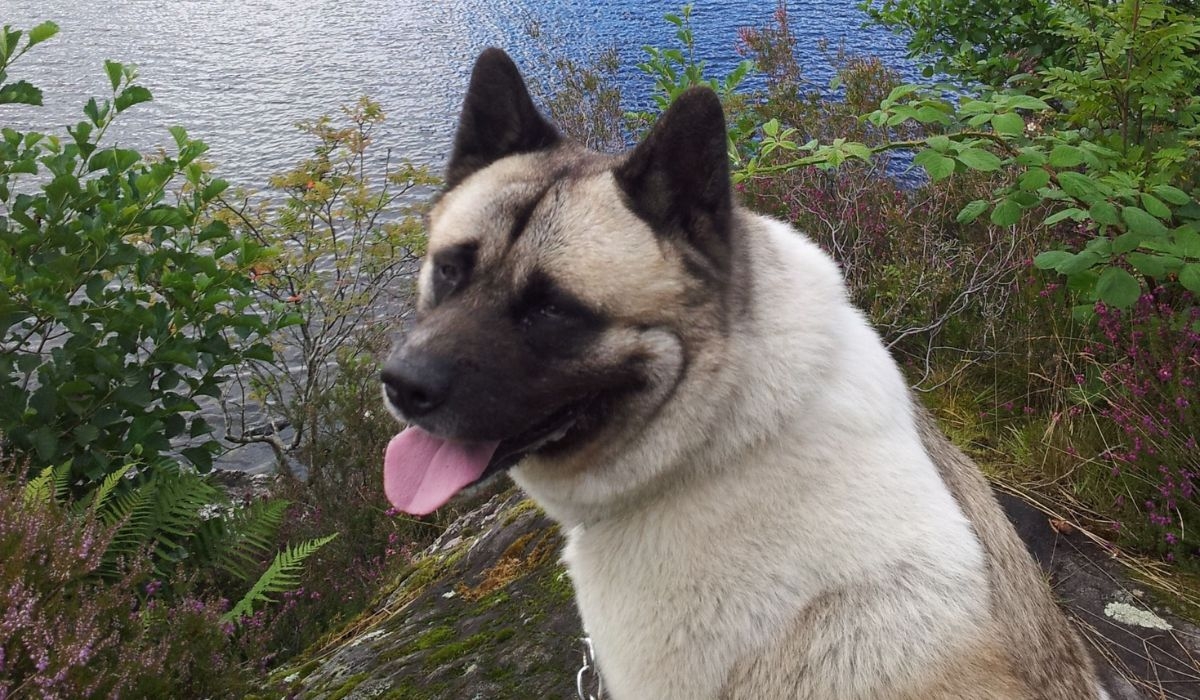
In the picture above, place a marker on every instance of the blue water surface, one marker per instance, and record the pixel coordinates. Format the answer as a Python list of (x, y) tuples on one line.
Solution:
[(240, 74)]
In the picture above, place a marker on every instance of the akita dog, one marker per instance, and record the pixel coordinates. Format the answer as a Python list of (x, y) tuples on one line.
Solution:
[(754, 507)]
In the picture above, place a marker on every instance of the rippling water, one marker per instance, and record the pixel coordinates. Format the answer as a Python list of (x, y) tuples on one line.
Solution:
[(240, 74)]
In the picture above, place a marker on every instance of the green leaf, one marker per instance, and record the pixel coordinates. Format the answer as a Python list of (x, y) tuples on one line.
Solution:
[(1149, 265), (1079, 186), (1006, 213), (901, 91), (1051, 259), (1186, 243), (20, 92), (1031, 156), (114, 70), (1064, 156), (130, 96), (978, 159), (42, 32), (1034, 179), (936, 165), (119, 159), (163, 216), (1069, 213), (1078, 263), (1189, 277), (1174, 195), (1118, 288), (939, 143), (1127, 241), (1155, 206), (1026, 102), (972, 211), (1083, 313), (1142, 223), (1010, 124), (1105, 213)]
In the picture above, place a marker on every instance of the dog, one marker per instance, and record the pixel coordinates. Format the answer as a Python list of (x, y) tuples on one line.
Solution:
[(754, 506)]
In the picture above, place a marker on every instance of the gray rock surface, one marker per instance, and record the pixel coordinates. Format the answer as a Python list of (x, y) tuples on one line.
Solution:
[(486, 612)]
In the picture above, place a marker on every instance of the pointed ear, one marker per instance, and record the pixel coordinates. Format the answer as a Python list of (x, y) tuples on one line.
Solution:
[(677, 180), (498, 119)]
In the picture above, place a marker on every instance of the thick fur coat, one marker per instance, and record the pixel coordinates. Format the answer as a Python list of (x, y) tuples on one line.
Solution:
[(754, 507)]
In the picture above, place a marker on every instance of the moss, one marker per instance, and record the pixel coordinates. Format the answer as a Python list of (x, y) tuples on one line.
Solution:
[(307, 668), (524, 506), (407, 690), (453, 652), (432, 638), (557, 585), (347, 687)]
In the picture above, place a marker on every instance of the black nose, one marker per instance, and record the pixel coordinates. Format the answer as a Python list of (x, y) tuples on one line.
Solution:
[(416, 386)]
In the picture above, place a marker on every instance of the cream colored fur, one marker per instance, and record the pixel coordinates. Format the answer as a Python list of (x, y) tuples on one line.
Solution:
[(777, 528)]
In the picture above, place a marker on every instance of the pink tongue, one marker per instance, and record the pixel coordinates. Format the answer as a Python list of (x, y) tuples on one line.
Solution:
[(421, 472)]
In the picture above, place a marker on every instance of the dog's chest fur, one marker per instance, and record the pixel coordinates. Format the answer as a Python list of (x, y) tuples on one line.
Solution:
[(814, 484)]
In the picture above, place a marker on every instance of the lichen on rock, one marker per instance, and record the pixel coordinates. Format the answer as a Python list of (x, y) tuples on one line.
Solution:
[(485, 611)]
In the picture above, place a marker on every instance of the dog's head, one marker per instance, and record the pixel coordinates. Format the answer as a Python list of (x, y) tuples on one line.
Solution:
[(565, 296)]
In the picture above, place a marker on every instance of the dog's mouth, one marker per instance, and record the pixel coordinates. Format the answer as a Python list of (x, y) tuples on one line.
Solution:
[(422, 471)]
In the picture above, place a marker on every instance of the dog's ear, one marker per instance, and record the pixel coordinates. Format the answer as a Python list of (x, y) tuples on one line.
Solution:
[(677, 179), (498, 118)]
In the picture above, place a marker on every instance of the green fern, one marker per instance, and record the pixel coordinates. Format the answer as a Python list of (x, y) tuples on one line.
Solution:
[(163, 515), (101, 499), (53, 483), (282, 575), (239, 543)]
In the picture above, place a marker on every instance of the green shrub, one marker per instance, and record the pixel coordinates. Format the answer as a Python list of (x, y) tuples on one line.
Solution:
[(122, 301), (344, 233)]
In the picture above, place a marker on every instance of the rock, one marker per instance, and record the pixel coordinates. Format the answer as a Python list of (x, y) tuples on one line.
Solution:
[(1138, 659), (243, 488), (487, 612)]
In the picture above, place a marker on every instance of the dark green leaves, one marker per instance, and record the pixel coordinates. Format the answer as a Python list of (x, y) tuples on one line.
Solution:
[(40, 33), (1009, 124), (1141, 223), (936, 165), (130, 96), (978, 159), (115, 159), (1051, 259), (100, 253), (1104, 213), (1189, 277), (1078, 185), (1064, 156), (114, 70), (1006, 213), (972, 211), (1118, 288)]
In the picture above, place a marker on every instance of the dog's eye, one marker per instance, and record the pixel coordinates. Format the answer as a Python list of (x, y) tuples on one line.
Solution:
[(550, 311), (449, 272)]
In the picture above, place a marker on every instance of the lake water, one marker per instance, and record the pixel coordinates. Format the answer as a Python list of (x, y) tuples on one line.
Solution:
[(239, 75)]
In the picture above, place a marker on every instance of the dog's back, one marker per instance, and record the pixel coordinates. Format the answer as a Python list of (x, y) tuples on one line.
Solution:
[(1044, 650)]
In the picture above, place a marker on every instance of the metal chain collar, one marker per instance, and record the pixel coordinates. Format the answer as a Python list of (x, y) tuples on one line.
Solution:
[(589, 676)]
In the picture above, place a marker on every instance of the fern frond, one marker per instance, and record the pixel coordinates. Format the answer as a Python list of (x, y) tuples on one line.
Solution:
[(62, 482), (52, 484), (163, 515), (251, 536), (99, 500), (38, 489), (282, 575)]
